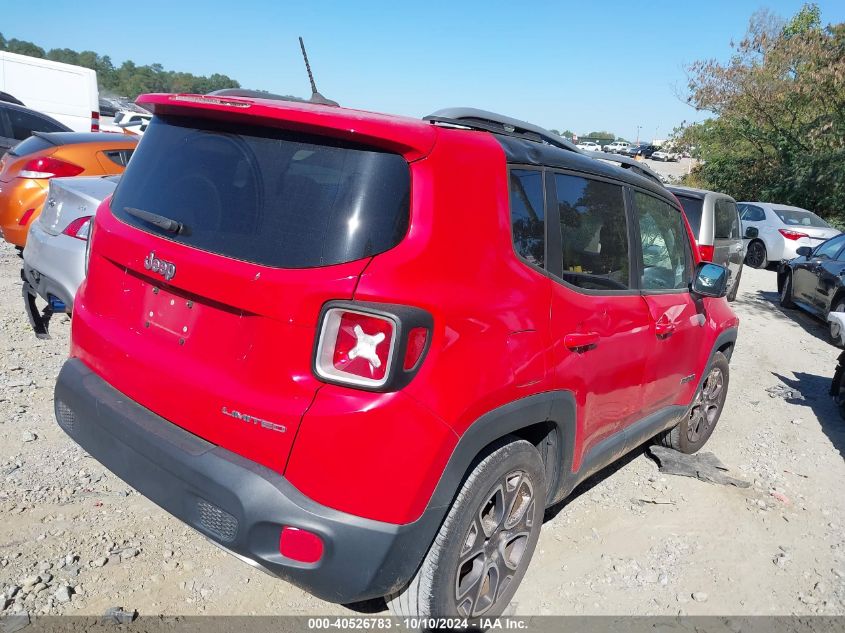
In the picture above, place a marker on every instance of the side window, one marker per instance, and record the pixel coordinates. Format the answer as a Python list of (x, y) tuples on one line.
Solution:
[(24, 124), (829, 249), (528, 222), (119, 156), (594, 233), (726, 221), (665, 260), (751, 213)]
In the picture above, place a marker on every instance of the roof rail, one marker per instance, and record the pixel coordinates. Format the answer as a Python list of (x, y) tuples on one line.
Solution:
[(627, 163), (476, 119)]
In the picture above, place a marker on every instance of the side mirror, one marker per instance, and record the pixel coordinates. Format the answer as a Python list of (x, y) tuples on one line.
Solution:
[(804, 251), (711, 280), (751, 232)]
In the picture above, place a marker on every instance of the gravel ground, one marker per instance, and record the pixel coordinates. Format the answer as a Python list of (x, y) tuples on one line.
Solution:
[(74, 539)]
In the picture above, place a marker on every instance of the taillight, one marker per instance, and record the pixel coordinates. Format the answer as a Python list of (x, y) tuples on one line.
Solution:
[(371, 346), (356, 347), (792, 235), (79, 228), (25, 217), (95, 121), (46, 167), (706, 252)]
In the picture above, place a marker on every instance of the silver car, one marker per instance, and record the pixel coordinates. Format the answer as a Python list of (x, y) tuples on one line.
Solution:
[(54, 257), (714, 220)]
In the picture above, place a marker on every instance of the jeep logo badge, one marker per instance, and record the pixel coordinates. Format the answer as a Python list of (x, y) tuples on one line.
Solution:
[(159, 266)]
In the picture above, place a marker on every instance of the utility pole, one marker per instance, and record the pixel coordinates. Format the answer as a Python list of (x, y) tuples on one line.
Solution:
[(639, 127)]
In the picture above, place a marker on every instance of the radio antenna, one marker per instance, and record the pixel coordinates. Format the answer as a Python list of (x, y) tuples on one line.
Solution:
[(316, 97)]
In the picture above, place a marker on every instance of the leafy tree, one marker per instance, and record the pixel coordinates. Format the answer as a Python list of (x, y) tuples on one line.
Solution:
[(604, 136), (128, 79), (22, 47), (778, 132)]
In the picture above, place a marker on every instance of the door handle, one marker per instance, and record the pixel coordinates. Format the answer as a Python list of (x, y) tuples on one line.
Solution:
[(581, 342), (664, 329)]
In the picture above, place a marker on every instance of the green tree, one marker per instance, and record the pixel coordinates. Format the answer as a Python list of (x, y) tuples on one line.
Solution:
[(129, 79), (604, 136), (778, 130), (22, 47)]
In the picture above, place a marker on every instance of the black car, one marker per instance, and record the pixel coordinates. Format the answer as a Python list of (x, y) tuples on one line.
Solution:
[(815, 280), (643, 149), (18, 123)]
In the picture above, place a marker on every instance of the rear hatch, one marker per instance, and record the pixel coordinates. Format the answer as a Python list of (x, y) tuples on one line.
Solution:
[(210, 265)]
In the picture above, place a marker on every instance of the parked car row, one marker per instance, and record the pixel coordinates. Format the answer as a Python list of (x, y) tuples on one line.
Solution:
[(27, 168)]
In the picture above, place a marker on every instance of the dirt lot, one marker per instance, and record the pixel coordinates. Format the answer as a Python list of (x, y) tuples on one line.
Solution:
[(75, 539)]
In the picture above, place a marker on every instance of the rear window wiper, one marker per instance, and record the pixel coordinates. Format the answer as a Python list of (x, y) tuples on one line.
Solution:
[(166, 224)]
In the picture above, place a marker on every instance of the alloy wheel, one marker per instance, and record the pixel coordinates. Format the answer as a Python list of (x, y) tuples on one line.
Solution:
[(833, 326), (756, 254), (705, 409), (495, 544)]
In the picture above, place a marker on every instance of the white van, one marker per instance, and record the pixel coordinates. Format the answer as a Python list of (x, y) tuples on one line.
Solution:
[(65, 92)]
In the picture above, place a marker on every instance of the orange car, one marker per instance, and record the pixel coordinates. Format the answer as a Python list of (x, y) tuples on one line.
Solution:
[(27, 167)]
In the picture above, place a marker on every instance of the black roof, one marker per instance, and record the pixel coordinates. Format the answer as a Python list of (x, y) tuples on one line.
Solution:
[(526, 152), (530, 144), (73, 138)]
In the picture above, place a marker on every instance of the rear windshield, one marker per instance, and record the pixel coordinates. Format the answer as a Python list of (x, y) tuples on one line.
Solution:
[(30, 146), (692, 209), (264, 195), (794, 217)]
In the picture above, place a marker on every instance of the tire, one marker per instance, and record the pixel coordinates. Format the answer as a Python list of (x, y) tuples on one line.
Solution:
[(786, 292), (693, 431), (833, 329), (735, 288), (756, 255), (457, 574)]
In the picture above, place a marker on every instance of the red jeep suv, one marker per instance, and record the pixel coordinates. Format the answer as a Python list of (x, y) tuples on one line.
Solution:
[(365, 352)]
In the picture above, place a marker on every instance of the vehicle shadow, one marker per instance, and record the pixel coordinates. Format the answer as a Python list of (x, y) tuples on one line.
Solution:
[(594, 480), (378, 605), (815, 391), (766, 303)]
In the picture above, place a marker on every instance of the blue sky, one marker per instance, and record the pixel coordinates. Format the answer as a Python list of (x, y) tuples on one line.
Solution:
[(584, 65)]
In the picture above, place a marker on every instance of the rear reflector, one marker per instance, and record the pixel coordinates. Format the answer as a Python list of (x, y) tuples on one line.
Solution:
[(300, 545), (706, 252), (25, 217), (417, 338), (95, 121), (355, 348), (792, 235)]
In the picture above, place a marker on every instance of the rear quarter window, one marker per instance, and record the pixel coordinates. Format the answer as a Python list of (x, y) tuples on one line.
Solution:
[(692, 209), (264, 195)]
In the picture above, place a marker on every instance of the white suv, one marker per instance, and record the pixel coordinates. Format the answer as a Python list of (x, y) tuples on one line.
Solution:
[(616, 146), (780, 231)]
